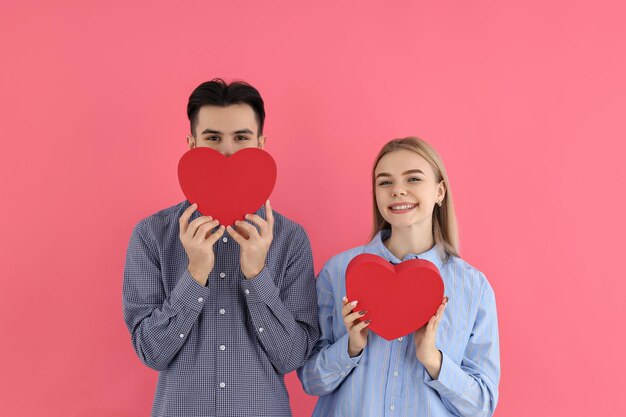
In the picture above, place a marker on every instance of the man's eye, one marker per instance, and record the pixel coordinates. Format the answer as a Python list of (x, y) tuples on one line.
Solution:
[(241, 138), (212, 138)]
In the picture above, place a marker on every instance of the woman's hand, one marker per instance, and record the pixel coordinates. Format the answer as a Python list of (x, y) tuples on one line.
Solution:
[(424, 339), (357, 329)]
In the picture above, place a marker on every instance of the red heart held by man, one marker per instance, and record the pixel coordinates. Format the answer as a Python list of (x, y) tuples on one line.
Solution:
[(399, 299), (227, 188)]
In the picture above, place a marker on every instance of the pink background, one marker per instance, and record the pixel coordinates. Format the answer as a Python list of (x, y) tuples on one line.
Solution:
[(524, 100)]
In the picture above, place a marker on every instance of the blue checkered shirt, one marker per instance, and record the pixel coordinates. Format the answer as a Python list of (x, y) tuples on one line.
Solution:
[(220, 349)]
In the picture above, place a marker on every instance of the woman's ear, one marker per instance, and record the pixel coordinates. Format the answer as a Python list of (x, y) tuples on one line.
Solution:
[(191, 141), (441, 191)]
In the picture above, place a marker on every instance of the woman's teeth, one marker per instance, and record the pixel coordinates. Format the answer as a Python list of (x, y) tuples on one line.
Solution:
[(403, 207)]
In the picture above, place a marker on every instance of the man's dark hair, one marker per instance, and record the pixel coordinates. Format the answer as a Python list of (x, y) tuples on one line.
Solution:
[(218, 93)]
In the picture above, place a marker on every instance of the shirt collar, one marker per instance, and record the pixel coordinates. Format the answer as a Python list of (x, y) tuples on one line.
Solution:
[(377, 247)]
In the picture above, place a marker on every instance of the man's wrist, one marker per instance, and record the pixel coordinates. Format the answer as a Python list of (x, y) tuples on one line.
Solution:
[(198, 275)]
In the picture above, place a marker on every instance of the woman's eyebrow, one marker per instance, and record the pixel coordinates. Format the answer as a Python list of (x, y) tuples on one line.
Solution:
[(413, 171), (410, 171)]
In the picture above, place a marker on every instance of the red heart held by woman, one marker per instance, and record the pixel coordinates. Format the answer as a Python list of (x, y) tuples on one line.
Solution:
[(399, 299), (227, 188)]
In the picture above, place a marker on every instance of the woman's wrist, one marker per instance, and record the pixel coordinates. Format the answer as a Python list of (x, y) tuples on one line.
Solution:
[(432, 361)]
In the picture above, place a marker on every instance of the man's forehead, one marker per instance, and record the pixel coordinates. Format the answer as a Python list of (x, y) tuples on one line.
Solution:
[(234, 117)]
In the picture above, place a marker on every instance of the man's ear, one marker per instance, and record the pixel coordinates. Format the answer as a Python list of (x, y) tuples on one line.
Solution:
[(262, 140), (191, 141)]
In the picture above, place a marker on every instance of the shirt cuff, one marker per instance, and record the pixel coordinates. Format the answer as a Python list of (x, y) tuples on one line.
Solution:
[(260, 289), (338, 354), (451, 377), (188, 293)]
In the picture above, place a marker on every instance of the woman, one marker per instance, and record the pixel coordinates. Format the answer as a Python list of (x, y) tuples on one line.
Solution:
[(450, 366)]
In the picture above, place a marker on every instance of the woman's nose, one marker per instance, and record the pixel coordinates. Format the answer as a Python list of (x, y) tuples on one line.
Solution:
[(397, 191)]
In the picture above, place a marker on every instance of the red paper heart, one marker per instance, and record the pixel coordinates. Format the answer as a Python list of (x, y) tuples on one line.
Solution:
[(399, 299), (227, 188)]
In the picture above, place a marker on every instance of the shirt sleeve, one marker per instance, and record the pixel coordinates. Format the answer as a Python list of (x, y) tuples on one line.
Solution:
[(330, 362), (285, 318), (158, 323), (471, 388)]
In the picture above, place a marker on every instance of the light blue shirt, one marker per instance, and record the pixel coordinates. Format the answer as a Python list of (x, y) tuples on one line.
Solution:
[(387, 379)]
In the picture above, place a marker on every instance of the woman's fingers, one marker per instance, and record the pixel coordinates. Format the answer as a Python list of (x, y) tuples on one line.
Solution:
[(347, 307), (362, 325), (351, 318)]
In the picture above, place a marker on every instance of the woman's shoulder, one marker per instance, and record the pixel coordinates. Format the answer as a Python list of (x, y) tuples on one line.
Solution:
[(470, 274), (338, 263)]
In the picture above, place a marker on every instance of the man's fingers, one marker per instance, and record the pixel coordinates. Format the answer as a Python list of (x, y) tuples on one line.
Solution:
[(215, 235), (247, 227), (183, 222), (269, 214), (258, 220), (205, 230), (193, 227), (236, 235)]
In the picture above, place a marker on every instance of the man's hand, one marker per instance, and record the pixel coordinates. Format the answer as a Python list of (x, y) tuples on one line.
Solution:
[(254, 244), (198, 241)]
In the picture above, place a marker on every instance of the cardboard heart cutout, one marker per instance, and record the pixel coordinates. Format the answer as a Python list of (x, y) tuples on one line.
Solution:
[(399, 299), (227, 188)]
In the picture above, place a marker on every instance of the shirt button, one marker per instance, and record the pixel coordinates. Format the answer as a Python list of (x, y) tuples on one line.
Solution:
[(222, 384), (343, 374), (222, 311), (222, 347), (260, 329), (181, 335), (200, 299), (222, 275), (392, 407), (396, 373), (347, 366), (225, 240), (400, 339), (247, 291)]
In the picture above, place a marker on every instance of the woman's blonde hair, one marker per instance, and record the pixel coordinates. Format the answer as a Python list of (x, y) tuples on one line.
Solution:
[(445, 232)]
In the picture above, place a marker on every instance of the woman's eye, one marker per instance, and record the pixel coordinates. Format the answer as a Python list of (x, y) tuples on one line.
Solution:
[(384, 183), (414, 179)]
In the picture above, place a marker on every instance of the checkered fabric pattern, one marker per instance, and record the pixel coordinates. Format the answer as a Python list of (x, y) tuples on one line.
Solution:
[(222, 349)]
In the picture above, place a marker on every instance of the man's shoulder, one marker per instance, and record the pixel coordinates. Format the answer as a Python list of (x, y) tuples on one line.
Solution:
[(162, 219)]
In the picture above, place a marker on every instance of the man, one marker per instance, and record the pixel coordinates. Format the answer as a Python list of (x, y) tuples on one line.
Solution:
[(221, 313)]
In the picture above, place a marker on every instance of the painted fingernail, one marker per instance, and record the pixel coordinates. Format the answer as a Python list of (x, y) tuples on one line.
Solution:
[(368, 321), (353, 303), (362, 312)]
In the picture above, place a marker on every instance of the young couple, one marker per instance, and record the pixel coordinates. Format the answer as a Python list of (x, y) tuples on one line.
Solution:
[(224, 313)]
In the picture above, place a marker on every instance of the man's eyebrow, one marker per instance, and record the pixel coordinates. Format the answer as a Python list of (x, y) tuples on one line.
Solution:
[(236, 132), (205, 131), (410, 171)]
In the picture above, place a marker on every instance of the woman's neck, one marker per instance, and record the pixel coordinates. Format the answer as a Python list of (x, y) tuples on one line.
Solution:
[(406, 240)]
